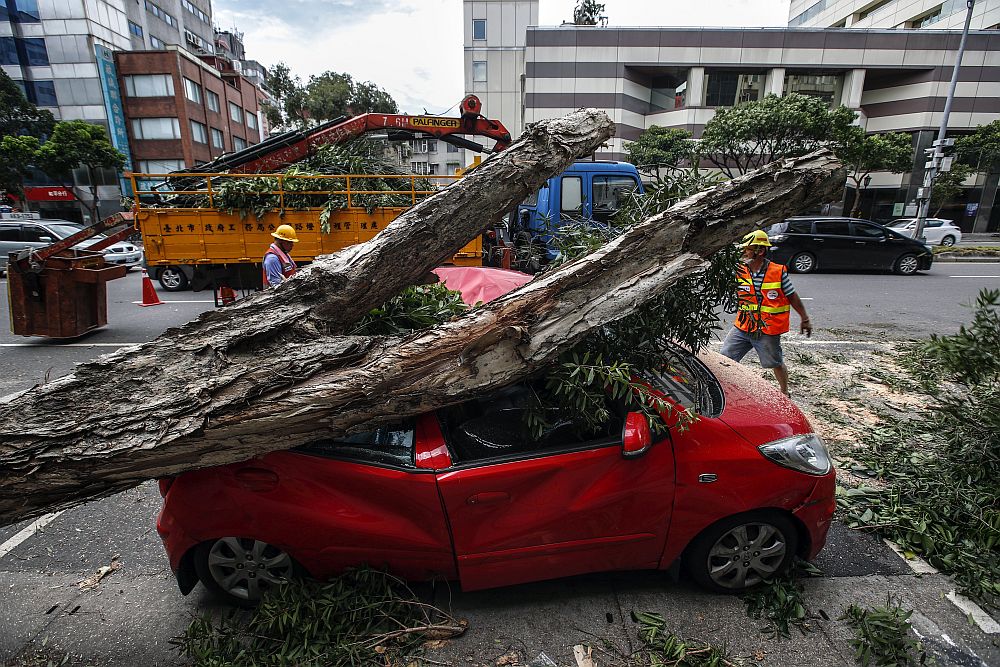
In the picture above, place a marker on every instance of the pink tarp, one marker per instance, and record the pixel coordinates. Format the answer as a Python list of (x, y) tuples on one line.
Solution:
[(480, 283)]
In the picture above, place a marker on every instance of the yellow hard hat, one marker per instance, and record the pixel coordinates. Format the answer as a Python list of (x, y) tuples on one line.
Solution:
[(758, 237), (285, 233)]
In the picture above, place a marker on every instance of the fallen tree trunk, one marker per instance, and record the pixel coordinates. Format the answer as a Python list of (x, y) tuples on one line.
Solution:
[(270, 392)]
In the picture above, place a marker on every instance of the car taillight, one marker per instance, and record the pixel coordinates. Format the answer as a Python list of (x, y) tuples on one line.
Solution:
[(165, 484)]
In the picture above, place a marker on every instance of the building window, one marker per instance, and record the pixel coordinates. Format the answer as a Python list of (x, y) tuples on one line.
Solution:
[(239, 144), (41, 93), (726, 89), (8, 51), (195, 41), (812, 11), (251, 121), (419, 168), (452, 167), (479, 71), (192, 90), (199, 132), (824, 86), (156, 42), (191, 9), (933, 16), (218, 140), (21, 11), (871, 9), (160, 166), (478, 28), (432, 146), (452, 148), (156, 128), (212, 100), (149, 85), (158, 12), (235, 112), (34, 51), (135, 29)]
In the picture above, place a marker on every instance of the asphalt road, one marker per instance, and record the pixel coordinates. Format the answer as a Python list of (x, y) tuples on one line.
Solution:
[(130, 617)]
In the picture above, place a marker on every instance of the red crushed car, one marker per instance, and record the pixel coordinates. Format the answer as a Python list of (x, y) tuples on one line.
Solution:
[(468, 493)]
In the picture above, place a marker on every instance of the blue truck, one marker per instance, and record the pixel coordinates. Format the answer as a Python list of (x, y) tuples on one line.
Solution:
[(589, 191)]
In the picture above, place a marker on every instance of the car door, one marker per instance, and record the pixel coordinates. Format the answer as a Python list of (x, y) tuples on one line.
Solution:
[(833, 244), (870, 248), (933, 232), (526, 509)]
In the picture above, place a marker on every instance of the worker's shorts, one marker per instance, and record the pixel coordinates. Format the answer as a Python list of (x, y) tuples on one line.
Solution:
[(768, 348)]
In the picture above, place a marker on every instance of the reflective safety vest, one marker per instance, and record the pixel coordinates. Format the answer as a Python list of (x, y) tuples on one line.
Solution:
[(765, 311), (288, 265)]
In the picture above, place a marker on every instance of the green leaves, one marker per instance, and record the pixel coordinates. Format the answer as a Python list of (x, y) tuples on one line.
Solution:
[(780, 603), (882, 636), (662, 648), (418, 307), (363, 617)]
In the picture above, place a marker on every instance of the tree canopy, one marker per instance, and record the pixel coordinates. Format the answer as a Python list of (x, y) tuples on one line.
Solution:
[(587, 12), (748, 136), (17, 154), (864, 153), (18, 116), (75, 144), (324, 97), (666, 147), (981, 149)]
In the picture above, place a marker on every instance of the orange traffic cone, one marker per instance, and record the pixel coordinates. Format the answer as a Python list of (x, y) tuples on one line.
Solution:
[(226, 295), (149, 295)]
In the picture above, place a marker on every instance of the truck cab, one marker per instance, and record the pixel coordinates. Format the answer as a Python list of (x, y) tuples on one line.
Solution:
[(590, 191)]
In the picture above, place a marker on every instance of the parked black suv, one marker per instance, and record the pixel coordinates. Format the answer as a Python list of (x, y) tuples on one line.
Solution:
[(807, 244)]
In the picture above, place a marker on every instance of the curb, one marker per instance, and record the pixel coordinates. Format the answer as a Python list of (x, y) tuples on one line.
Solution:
[(966, 258)]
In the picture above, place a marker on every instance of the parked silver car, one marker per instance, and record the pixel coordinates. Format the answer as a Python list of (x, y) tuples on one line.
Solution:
[(937, 231), (17, 235)]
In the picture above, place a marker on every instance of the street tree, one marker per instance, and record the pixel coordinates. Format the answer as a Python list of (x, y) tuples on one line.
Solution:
[(78, 144), (18, 116), (587, 12), (17, 154), (948, 185), (288, 109), (220, 398), (661, 148), (864, 153), (748, 136), (981, 149)]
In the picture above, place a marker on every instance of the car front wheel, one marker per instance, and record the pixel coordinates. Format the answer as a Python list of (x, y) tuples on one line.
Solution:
[(804, 262), (948, 241), (907, 265), (172, 279), (742, 551), (242, 569)]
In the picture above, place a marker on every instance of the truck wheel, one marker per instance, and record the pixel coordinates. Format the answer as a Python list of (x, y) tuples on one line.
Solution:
[(172, 279)]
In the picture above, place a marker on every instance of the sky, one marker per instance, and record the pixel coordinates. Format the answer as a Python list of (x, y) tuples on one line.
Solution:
[(413, 48)]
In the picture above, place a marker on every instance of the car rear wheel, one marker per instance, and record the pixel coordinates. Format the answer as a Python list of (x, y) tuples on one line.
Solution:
[(907, 265), (742, 551), (804, 262), (172, 279), (242, 569), (948, 240)]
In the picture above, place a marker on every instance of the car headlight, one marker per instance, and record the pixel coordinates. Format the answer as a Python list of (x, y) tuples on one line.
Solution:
[(806, 453)]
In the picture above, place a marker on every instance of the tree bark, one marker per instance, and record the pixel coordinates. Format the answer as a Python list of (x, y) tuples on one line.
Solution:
[(274, 372)]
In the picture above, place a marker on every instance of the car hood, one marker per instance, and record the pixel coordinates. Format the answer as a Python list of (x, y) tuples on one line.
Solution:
[(754, 408)]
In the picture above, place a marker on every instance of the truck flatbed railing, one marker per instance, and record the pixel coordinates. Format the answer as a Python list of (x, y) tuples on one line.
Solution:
[(349, 185)]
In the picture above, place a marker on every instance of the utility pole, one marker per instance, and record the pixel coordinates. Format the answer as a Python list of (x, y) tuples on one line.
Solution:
[(936, 160)]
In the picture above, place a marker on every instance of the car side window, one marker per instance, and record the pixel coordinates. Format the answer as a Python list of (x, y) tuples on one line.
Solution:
[(389, 445), (869, 231), (34, 233), (497, 426), (933, 223), (10, 232), (800, 227), (833, 227)]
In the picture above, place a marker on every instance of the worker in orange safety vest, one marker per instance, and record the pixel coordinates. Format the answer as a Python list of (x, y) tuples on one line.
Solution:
[(278, 264), (765, 297)]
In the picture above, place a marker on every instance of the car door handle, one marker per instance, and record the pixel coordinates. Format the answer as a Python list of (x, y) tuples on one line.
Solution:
[(488, 498), (860, 242), (817, 240)]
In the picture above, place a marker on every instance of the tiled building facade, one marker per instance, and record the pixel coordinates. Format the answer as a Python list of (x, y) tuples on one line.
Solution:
[(895, 14)]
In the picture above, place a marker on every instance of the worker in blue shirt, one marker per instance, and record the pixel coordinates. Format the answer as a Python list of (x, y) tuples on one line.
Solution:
[(278, 264)]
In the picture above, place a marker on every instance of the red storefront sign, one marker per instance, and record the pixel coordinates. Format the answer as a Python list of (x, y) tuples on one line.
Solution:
[(53, 193)]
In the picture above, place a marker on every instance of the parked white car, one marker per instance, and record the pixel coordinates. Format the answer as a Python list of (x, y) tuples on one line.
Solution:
[(937, 231)]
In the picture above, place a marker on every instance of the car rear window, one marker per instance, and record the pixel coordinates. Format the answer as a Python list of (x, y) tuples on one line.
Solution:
[(390, 445)]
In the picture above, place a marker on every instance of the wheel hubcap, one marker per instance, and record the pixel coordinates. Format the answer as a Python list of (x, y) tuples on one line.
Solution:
[(246, 568), (803, 263), (746, 555), (908, 264), (948, 241), (171, 278)]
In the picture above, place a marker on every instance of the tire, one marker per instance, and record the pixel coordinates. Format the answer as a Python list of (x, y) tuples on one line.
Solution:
[(948, 241), (906, 265), (172, 279), (804, 262), (241, 569), (710, 558)]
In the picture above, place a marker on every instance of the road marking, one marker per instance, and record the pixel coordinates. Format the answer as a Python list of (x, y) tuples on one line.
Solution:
[(50, 345), (974, 276), (977, 613), (27, 532), (916, 563)]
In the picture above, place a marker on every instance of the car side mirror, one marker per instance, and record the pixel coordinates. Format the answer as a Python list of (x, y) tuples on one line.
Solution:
[(45, 239), (637, 437)]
